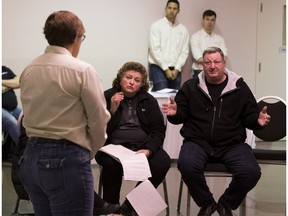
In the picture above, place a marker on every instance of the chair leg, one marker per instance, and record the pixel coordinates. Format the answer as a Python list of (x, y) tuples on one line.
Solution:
[(16, 206), (188, 203), (179, 196), (166, 196), (100, 182), (242, 208)]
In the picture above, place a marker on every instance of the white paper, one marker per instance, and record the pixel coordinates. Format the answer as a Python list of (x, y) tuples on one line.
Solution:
[(135, 166), (146, 200), (167, 90)]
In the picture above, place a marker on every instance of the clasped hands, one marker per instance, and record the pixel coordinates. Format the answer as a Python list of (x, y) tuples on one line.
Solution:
[(171, 74)]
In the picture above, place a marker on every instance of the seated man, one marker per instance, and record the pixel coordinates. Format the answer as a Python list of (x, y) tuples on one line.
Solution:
[(136, 123), (216, 108), (10, 111)]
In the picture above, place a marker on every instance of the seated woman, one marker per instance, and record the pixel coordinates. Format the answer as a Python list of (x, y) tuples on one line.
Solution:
[(136, 123)]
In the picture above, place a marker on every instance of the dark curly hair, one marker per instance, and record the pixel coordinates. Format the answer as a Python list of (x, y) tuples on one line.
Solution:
[(132, 66)]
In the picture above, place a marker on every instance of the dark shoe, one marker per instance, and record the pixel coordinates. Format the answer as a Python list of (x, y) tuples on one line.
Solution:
[(106, 209), (223, 210), (208, 208), (127, 209)]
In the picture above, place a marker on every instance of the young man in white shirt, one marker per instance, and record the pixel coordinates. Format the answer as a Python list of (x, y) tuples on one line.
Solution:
[(168, 49), (204, 38)]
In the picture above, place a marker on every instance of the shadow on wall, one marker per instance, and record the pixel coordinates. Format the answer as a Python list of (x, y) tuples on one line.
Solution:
[(186, 73)]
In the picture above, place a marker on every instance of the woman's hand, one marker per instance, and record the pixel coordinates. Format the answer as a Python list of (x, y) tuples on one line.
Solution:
[(144, 151), (115, 101)]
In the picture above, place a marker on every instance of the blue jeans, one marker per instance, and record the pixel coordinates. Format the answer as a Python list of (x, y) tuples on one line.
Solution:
[(9, 123), (239, 159), (58, 178), (160, 81)]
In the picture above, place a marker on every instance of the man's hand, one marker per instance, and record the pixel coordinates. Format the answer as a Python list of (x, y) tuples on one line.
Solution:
[(11, 83), (170, 109), (169, 74), (5, 89), (264, 118), (174, 74)]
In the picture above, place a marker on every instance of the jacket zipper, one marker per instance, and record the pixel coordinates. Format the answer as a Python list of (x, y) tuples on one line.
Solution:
[(220, 108), (212, 129)]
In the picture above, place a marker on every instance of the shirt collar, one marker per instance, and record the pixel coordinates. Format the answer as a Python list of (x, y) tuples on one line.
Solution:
[(170, 23), (206, 34), (57, 49)]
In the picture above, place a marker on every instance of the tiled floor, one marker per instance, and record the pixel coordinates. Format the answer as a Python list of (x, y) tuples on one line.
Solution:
[(268, 198)]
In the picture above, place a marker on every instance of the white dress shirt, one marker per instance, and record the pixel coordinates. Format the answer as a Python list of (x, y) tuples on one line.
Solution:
[(168, 44), (200, 41)]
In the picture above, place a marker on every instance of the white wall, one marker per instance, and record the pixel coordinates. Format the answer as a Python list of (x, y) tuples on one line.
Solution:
[(117, 31)]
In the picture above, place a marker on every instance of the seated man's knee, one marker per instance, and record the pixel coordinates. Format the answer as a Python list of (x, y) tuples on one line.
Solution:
[(189, 168), (254, 173)]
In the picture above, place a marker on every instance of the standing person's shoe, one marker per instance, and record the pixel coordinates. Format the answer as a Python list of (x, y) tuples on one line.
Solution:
[(224, 210), (208, 208), (106, 209)]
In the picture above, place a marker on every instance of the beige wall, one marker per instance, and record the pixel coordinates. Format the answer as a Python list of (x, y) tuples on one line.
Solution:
[(117, 31)]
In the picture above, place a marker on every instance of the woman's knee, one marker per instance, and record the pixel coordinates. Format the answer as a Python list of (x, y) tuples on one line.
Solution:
[(160, 162), (105, 160)]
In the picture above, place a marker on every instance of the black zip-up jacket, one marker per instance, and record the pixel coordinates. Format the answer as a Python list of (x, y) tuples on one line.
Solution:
[(216, 128), (149, 115)]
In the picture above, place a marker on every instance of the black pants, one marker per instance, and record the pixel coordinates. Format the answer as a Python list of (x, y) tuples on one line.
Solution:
[(112, 173), (239, 159)]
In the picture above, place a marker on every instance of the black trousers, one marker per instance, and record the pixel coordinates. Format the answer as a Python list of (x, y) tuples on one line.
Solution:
[(239, 159), (112, 173)]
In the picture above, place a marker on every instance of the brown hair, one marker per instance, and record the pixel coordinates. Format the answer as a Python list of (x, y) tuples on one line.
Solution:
[(62, 27), (132, 66)]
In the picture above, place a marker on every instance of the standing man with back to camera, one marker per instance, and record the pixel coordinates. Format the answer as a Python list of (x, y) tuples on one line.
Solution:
[(204, 38), (215, 109), (168, 49), (65, 118)]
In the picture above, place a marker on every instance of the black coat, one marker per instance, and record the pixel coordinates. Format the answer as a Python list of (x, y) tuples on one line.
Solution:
[(150, 118), (216, 127)]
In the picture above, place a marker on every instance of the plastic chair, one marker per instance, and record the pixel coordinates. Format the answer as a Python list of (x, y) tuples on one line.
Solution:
[(274, 131)]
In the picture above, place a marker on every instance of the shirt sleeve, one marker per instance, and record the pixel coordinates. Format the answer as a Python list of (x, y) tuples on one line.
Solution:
[(223, 46), (155, 47), (95, 106), (184, 51), (195, 47)]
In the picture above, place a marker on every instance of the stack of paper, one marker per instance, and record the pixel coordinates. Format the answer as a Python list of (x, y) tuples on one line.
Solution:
[(135, 166)]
